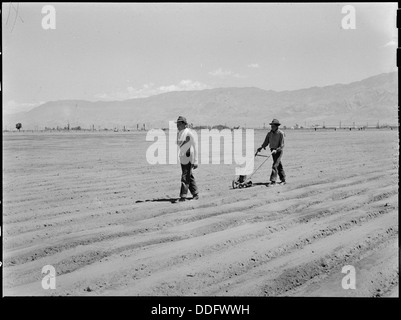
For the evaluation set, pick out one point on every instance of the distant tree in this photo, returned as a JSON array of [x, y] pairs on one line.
[[220, 127], [18, 126], [200, 127]]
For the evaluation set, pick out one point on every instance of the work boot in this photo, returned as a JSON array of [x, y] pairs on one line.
[[195, 197], [182, 199]]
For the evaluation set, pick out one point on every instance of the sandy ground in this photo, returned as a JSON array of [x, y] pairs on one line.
[[91, 206]]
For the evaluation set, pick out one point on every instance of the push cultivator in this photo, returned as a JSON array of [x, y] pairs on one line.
[[244, 181]]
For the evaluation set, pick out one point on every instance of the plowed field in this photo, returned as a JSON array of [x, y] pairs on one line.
[[91, 206]]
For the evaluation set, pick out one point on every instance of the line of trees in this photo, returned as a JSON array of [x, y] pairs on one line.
[[315, 127]]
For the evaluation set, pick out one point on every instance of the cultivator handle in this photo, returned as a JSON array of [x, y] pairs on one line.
[[261, 155]]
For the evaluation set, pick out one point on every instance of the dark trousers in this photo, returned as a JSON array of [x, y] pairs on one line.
[[277, 168], [187, 181]]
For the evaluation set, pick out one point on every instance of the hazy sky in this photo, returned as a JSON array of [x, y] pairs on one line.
[[115, 51]]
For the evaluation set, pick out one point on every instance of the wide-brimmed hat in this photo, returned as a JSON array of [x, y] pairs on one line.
[[181, 119], [276, 122]]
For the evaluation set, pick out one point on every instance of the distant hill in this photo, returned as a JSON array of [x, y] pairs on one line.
[[370, 100]]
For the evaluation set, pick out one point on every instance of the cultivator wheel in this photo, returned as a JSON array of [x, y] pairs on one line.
[[236, 184]]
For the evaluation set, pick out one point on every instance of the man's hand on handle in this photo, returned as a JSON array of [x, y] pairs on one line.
[[194, 166]]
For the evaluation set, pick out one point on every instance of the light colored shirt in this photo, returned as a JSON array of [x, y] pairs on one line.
[[187, 141], [275, 139]]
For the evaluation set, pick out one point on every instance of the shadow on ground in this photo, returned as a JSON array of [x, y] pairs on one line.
[[171, 200]]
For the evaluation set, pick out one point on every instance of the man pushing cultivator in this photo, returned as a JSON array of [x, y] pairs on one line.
[[274, 139]]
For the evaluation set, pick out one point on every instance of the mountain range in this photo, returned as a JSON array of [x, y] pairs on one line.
[[367, 101]]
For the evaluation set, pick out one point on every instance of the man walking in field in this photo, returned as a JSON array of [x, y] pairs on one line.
[[275, 138], [188, 155]]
